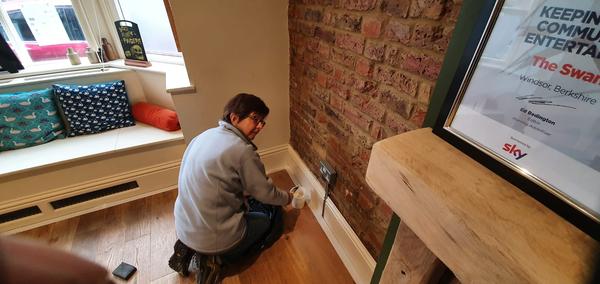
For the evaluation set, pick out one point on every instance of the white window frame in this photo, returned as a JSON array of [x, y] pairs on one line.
[[96, 18], [158, 56], [19, 45], [13, 37], [109, 13]]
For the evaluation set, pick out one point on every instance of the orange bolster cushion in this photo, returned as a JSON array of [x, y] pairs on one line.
[[156, 116]]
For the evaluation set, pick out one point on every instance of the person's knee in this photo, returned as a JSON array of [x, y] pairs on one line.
[[258, 221]]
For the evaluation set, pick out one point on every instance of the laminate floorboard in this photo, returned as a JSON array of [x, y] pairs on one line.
[[142, 233]]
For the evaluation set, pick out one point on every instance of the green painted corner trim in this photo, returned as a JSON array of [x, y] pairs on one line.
[[468, 17], [386, 249]]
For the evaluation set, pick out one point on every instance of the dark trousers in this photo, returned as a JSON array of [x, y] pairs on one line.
[[264, 225]]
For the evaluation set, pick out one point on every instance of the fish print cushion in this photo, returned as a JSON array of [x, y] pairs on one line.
[[29, 119], [96, 108]]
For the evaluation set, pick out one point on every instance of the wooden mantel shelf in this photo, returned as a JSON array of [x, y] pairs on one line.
[[482, 227]]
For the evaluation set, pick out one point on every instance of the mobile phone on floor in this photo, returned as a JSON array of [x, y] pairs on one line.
[[124, 271]]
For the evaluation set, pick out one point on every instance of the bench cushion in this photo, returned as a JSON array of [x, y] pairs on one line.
[[90, 109], [28, 119], [156, 116]]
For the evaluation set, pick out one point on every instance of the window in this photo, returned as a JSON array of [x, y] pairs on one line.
[[69, 21], [41, 30], [153, 22], [3, 33], [16, 17]]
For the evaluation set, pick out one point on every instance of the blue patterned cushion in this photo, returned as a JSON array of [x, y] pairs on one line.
[[96, 108], [28, 119]]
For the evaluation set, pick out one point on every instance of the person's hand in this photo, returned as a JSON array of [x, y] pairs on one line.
[[24, 261], [300, 197], [294, 189], [290, 197]]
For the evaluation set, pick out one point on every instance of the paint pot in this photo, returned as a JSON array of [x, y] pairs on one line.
[[299, 197]]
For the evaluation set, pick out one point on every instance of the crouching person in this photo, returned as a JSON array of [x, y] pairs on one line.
[[226, 207]]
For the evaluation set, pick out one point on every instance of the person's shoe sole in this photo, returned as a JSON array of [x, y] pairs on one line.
[[209, 270], [181, 258]]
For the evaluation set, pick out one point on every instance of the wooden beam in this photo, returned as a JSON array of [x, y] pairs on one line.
[[411, 261], [481, 226]]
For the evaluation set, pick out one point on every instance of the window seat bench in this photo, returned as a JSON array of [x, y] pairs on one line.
[[73, 176], [73, 149]]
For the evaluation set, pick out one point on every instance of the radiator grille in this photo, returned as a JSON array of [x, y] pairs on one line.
[[61, 203], [18, 214]]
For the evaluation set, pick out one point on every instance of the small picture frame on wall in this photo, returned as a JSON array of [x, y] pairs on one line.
[[131, 41], [525, 102]]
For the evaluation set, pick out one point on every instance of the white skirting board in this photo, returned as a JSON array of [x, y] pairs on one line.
[[348, 246]]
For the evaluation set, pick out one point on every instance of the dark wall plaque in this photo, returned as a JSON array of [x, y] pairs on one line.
[[131, 41]]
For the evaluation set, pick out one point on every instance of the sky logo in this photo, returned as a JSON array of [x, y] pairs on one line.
[[512, 149]]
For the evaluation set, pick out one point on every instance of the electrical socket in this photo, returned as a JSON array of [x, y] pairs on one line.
[[327, 173]]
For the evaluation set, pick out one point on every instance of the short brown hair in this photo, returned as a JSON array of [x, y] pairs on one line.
[[243, 105]]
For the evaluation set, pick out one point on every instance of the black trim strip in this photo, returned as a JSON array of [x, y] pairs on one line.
[[18, 214], [61, 203]]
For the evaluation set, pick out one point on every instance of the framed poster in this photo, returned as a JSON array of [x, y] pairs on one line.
[[525, 102]]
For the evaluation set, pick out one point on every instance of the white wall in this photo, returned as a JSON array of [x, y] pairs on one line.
[[154, 88], [230, 47]]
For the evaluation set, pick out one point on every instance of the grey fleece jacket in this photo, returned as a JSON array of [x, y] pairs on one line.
[[217, 167]]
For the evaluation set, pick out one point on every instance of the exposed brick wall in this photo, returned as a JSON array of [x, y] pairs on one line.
[[361, 71]]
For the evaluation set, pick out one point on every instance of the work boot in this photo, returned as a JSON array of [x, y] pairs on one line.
[[181, 258], [209, 269]]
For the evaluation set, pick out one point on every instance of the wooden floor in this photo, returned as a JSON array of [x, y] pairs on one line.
[[142, 233]]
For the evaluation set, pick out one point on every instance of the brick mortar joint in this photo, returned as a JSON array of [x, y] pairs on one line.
[[436, 54], [412, 99], [364, 114], [410, 75], [354, 127], [404, 121], [444, 21], [385, 21], [361, 13]]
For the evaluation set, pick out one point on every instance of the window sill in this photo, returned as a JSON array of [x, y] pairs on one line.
[[175, 73], [50, 67]]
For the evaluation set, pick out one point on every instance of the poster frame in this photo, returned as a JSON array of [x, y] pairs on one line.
[[526, 181]]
